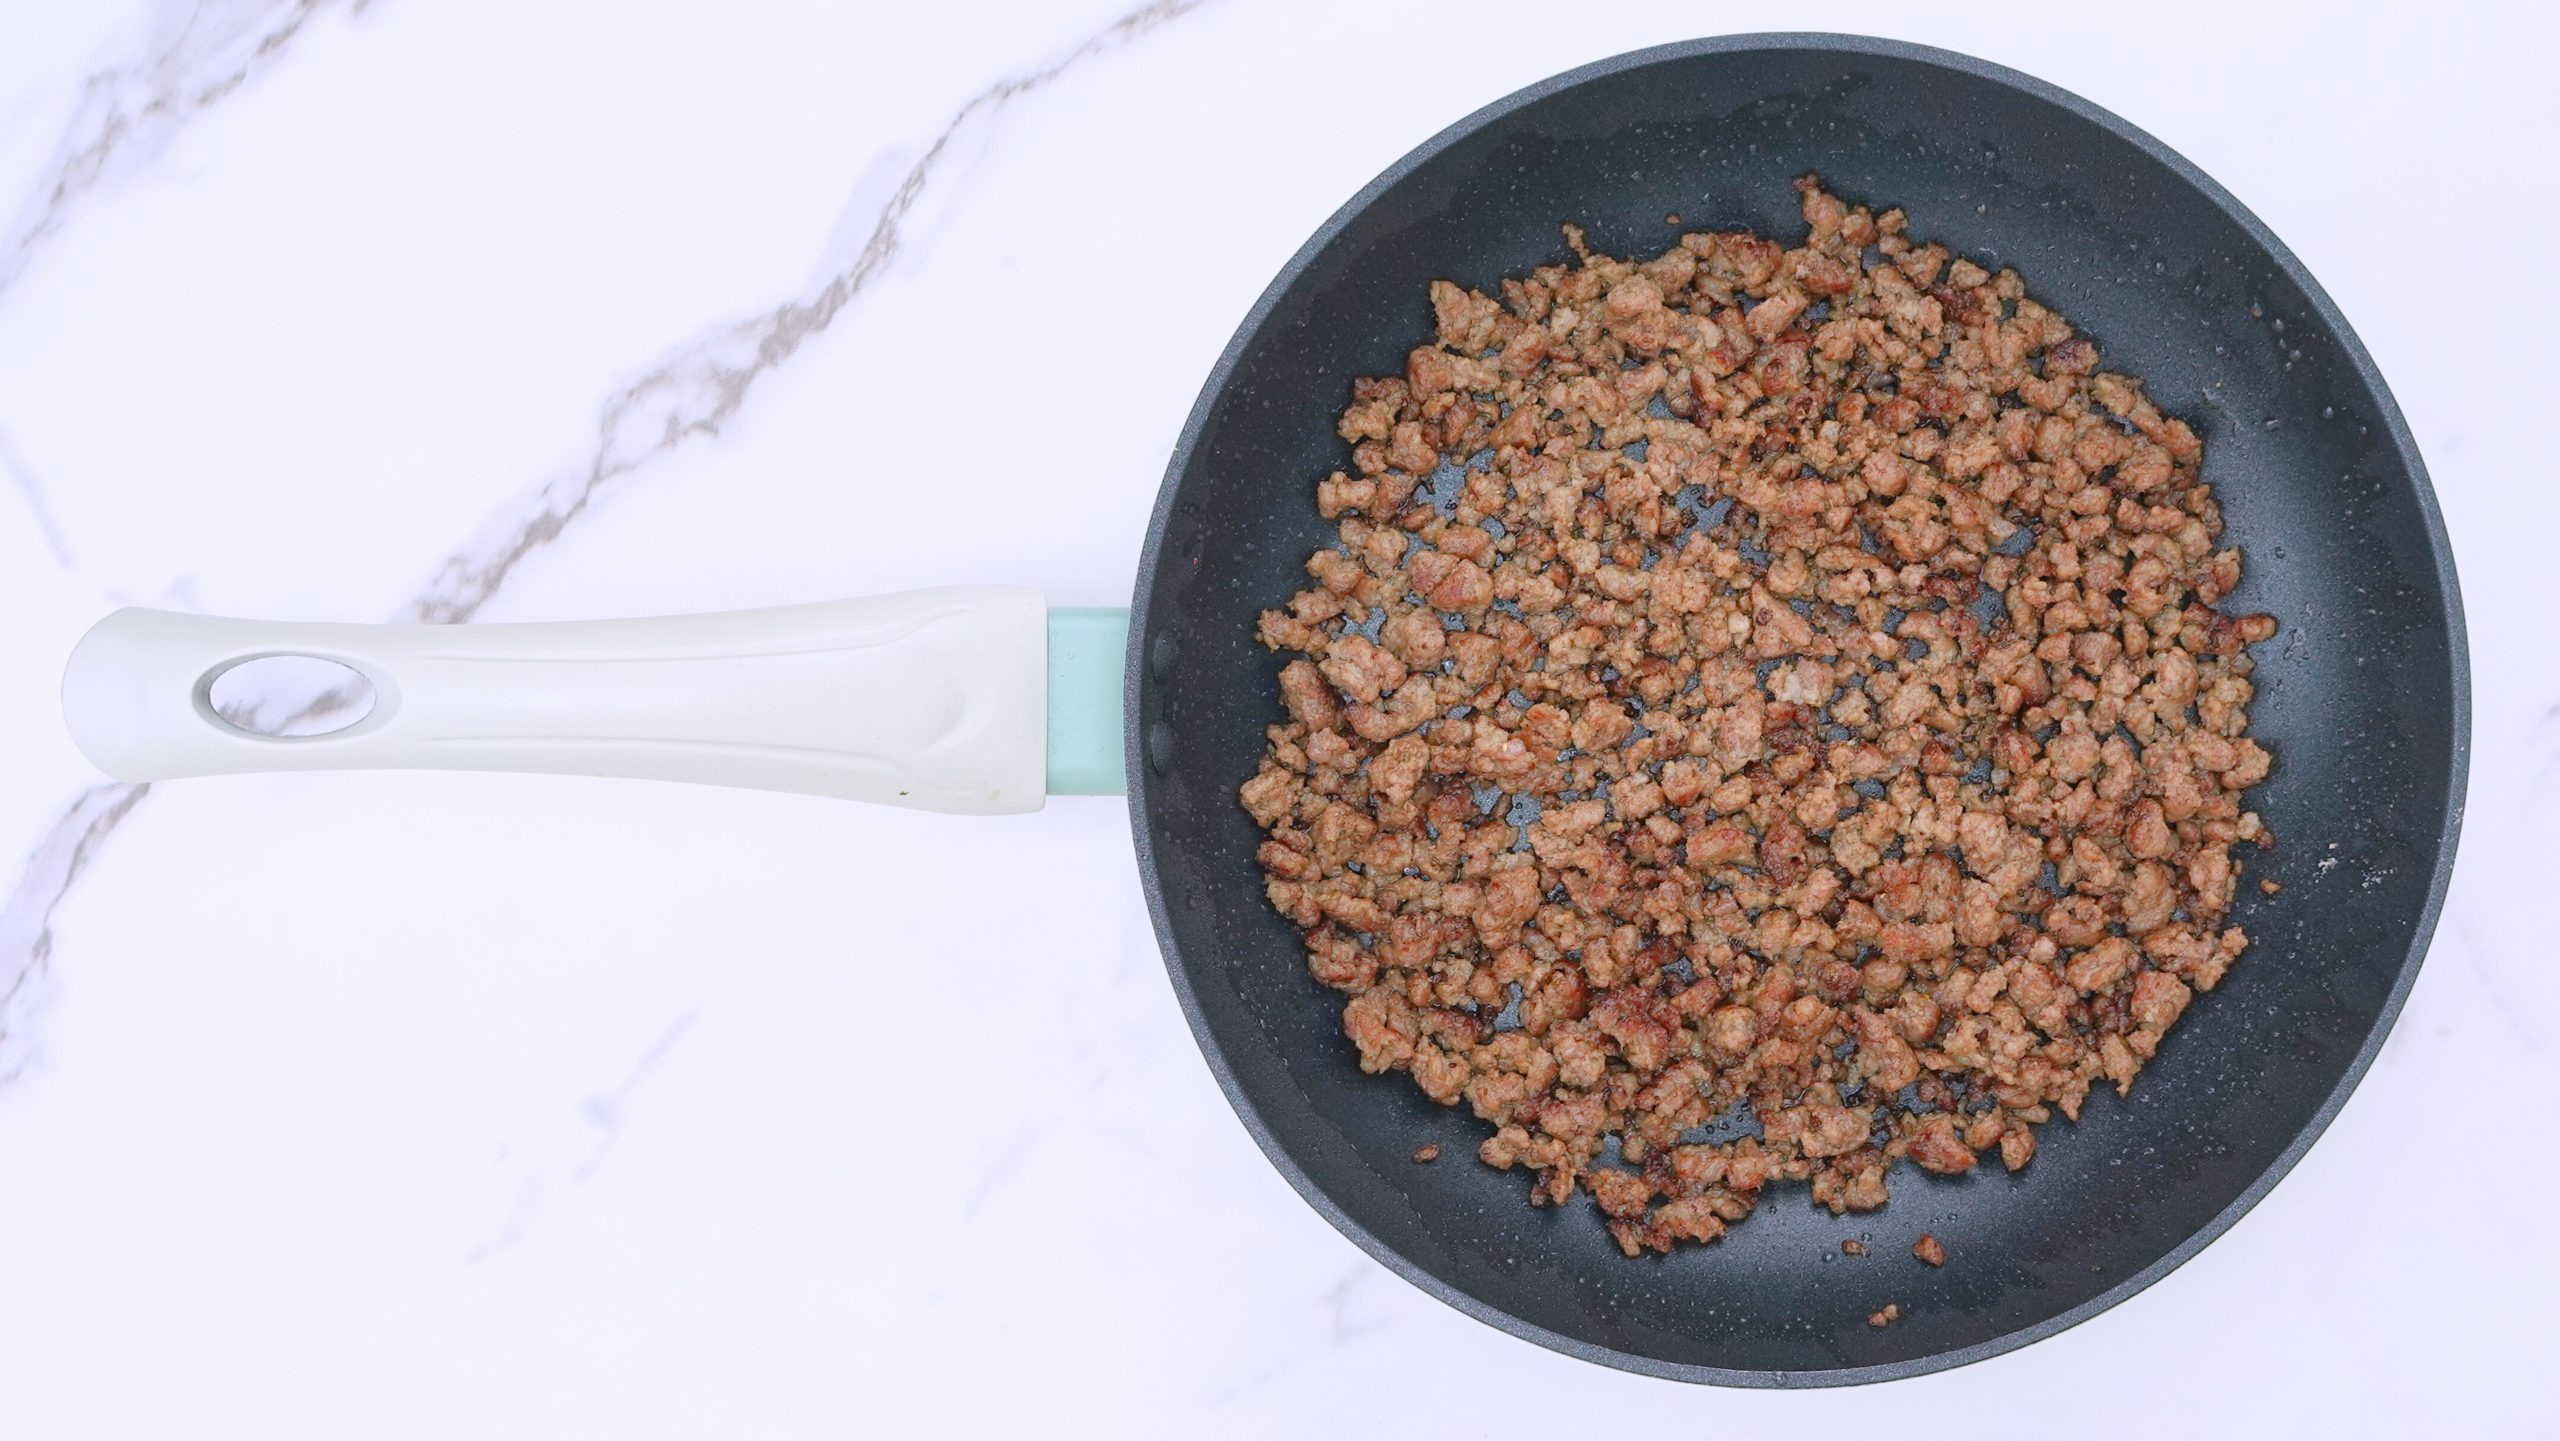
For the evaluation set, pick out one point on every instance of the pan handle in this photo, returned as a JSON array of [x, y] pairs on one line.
[[976, 700]]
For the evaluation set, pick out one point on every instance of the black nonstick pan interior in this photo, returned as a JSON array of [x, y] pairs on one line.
[[2363, 697]]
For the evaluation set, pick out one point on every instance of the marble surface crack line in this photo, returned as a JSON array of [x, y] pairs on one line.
[[2485, 970], [703, 385], [605, 1109], [1340, 1301], [31, 491], [598, 1125], [26, 918], [128, 114]]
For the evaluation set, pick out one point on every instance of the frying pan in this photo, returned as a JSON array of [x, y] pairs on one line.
[[976, 699]]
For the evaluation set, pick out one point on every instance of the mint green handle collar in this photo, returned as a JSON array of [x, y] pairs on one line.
[[1087, 657]]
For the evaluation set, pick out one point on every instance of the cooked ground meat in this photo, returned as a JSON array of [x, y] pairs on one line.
[[1928, 1248], [1886, 1317], [1780, 689], [1424, 1155], [1853, 1248]]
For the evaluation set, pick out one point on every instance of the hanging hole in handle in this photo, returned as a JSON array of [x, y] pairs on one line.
[[289, 697]]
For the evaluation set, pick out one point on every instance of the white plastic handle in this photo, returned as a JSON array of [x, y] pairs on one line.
[[935, 699]]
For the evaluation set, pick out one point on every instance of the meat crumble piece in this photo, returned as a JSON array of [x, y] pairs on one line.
[[1426, 1154], [1767, 715], [1853, 1247], [1929, 1249], [1885, 1317]]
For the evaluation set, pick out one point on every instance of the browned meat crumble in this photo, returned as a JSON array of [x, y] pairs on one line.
[[1767, 717], [1886, 1317], [1930, 1249]]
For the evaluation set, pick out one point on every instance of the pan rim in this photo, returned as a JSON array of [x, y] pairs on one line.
[[2396, 433]]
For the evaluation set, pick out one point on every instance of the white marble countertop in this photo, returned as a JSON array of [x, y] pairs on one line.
[[434, 1105]]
